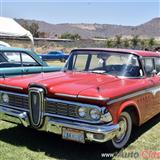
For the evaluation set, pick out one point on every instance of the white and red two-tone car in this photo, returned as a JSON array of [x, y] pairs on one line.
[[98, 96]]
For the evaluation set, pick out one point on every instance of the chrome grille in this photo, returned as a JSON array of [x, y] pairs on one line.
[[18, 101], [61, 109], [36, 106]]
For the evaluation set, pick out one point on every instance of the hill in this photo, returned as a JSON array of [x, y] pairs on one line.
[[147, 30]]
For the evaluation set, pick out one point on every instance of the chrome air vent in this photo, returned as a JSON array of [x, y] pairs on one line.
[[36, 106]]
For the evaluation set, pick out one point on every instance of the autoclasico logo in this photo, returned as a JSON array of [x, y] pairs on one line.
[[146, 154]]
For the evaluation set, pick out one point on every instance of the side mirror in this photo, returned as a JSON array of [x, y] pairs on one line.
[[154, 73]]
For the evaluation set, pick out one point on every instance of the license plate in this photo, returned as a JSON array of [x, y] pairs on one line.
[[72, 134]]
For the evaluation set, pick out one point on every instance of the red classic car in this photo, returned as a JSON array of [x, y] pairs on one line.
[[98, 96]]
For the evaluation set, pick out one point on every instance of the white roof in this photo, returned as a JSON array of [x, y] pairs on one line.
[[9, 27], [4, 44]]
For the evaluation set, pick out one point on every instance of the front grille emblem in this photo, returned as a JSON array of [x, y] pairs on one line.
[[36, 106], [34, 99]]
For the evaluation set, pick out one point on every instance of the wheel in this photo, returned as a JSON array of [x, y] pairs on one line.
[[124, 133]]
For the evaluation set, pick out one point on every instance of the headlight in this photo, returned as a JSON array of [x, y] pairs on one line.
[[5, 98], [82, 112], [95, 114]]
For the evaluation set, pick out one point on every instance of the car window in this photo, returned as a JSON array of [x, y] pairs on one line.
[[28, 60], [79, 62], [112, 63], [149, 66], [14, 57], [157, 62], [20, 59], [53, 53], [95, 62], [3, 58]]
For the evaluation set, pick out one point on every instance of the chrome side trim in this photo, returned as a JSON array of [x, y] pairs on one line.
[[93, 98], [12, 87], [126, 97], [66, 95], [84, 97], [153, 91]]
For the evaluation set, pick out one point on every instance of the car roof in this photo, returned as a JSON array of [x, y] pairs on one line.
[[135, 52], [14, 49]]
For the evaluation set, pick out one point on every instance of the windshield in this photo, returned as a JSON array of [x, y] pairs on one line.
[[105, 62]]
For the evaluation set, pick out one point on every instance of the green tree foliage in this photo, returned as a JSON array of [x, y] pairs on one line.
[[68, 35], [118, 41], [135, 42], [33, 28], [126, 43], [151, 42], [110, 43]]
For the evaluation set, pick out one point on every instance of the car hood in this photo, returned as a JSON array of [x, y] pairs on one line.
[[76, 84], [60, 82]]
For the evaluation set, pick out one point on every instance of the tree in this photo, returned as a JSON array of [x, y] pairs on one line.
[[34, 27], [118, 41], [126, 43], [135, 41], [68, 35], [109, 43], [143, 44], [151, 43]]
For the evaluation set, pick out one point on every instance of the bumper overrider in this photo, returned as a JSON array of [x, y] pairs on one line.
[[53, 115]]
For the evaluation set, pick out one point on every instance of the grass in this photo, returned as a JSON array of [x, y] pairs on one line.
[[17, 142]]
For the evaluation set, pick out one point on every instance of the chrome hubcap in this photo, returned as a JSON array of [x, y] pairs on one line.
[[122, 130]]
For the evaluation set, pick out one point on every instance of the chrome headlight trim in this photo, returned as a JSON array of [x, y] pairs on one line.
[[5, 98], [106, 116], [82, 112], [95, 114]]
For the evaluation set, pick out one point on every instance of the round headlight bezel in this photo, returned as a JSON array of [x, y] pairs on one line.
[[5, 98], [95, 114], [82, 112]]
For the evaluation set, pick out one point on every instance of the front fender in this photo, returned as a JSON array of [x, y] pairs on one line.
[[127, 105]]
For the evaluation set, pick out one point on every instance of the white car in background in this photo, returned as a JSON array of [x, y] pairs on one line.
[[4, 44]]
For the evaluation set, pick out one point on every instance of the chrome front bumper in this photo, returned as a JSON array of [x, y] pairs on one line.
[[93, 132]]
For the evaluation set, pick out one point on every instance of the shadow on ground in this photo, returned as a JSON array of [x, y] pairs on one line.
[[55, 147]]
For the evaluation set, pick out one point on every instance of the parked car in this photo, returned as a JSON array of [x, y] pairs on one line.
[[54, 55], [18, 61], [99, 96]]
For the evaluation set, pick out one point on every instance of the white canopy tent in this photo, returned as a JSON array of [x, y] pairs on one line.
[[9, 27]]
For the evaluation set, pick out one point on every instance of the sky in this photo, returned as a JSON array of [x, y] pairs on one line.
[[121, 12]]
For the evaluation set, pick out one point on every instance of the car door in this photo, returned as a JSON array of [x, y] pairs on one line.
[[157, 83], [154, 90], [12, 65], [30, 65]]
